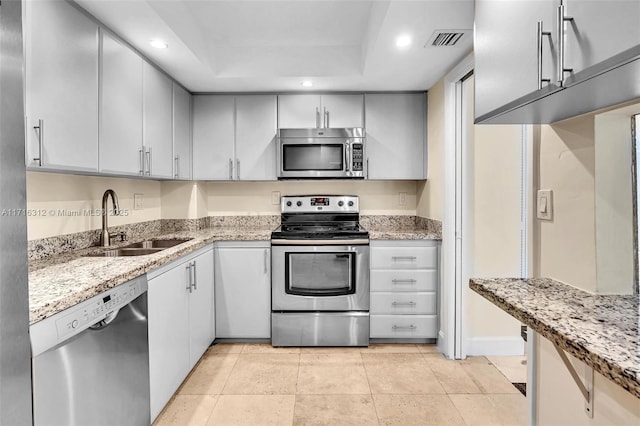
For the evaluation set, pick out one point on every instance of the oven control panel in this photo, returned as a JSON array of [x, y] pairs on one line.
[[320, 203]]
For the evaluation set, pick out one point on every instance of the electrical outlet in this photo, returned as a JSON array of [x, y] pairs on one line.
[[402, 198], [138, 201], [275, 198]]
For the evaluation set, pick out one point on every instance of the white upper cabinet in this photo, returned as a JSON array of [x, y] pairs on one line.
[[181, 133], [506, 54], [234, 137], [213, 137], [120, 138], [157, 112], [256, 137], [320, 111], [62, 87], [396, 139], [599, 30]]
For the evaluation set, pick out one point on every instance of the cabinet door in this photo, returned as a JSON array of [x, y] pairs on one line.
[[120, 108], [599, 30], [256, 137], [201, 307], [157, 105], [243, 292], [62, 86], [168, 335], [396, 136], [213, 137], [342, 111], [299, 111], [181, 133], [506, 52]]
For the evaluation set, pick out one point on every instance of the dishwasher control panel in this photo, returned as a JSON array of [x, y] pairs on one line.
[[71, 321]]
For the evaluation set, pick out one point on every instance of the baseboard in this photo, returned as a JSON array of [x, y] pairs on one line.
[[506, 345]]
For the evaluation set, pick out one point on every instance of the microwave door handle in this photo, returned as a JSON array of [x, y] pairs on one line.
[[347, 157]]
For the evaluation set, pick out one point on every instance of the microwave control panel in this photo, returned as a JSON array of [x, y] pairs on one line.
[[357, 157]]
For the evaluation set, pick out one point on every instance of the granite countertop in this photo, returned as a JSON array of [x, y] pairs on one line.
[[59, 282], [600, 330], [402, 234]]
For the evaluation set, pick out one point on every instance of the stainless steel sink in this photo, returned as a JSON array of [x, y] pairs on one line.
[[140, 249], [126, 252], [156, 244]]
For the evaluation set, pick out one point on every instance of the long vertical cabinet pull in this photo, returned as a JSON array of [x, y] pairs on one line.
[[325, 118], [141, 154], [148, 172], [189, 286], [266, 259], [561, 20], [40, 128], [317, 117], [230, 169], [194, 282], [539, 36], [237, 169], [176, 165]]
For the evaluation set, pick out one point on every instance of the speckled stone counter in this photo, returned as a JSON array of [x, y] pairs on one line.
[[59, 282], [383, 227], [600, 330]]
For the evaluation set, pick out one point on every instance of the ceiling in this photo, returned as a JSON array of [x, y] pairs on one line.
[[270, 45]]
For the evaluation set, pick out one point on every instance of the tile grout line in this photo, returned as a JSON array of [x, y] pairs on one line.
[[366, 374]]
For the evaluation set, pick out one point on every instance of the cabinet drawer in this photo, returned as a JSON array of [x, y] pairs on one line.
[[403, 303], [404, 257], [410, 280], [404, 326]]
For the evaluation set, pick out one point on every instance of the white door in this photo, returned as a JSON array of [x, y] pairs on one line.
[[201, 307], [396, 136], [213, 137], [168, 299], [256, 129], [61, 86], [341, 111], [120, 138], [243, 292], [181, 133], [299, 111], [157, 122]]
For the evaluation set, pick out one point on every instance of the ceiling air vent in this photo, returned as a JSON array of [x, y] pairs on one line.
[[445, 38]]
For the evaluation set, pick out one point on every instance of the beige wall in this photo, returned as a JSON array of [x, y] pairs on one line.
[[254, 198], [54, 198], [431, 192]]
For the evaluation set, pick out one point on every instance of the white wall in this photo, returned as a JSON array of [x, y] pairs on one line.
[[58, 195]]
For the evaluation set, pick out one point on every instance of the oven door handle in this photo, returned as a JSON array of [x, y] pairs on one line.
[[357, 242]]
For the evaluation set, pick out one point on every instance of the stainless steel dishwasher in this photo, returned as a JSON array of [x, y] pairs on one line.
[[91, 361]]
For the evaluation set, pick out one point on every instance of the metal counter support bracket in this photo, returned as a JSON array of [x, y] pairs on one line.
[[585, 388]]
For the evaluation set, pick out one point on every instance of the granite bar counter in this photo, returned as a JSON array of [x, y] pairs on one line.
[[599, 330]]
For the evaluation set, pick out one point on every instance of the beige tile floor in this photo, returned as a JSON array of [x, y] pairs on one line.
[[256, 384]]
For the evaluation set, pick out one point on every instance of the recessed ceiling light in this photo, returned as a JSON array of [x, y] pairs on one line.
[[158, 44], [403, 41], [307, 83]]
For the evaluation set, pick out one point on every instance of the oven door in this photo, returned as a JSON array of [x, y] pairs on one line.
[[313, 158], [320, 277]]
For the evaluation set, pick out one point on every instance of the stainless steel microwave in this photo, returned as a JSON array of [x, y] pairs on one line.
[[321, 153]]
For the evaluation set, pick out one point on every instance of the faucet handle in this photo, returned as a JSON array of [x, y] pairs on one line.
[[122, 235]]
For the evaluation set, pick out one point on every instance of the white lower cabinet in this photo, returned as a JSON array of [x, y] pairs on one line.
[[243, 289], [404, 289], [181, 322]]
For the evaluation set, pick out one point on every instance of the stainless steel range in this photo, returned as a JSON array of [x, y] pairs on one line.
[[320, 273]]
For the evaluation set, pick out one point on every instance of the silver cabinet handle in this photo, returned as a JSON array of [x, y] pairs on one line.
[[230, 169], [409, 281], [407, 258], [141, 155], [40, 128], [561, 20], [539, 36], [148, 172], [325, 113], [176, 166], [317, 117], [237, 169], [194, 282], [188, 268], [403, 304], [404, 327], [266, 259]]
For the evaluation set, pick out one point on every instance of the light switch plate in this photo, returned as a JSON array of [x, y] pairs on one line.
[[138, 201], [544, 206], [402, 198], [275, 198]]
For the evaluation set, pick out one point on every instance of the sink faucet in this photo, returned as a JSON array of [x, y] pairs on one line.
[[104, 236]]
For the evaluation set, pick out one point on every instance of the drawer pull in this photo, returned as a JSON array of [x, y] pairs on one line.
[[410, 281], [405, 258], [404, 327], [404, 303]]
